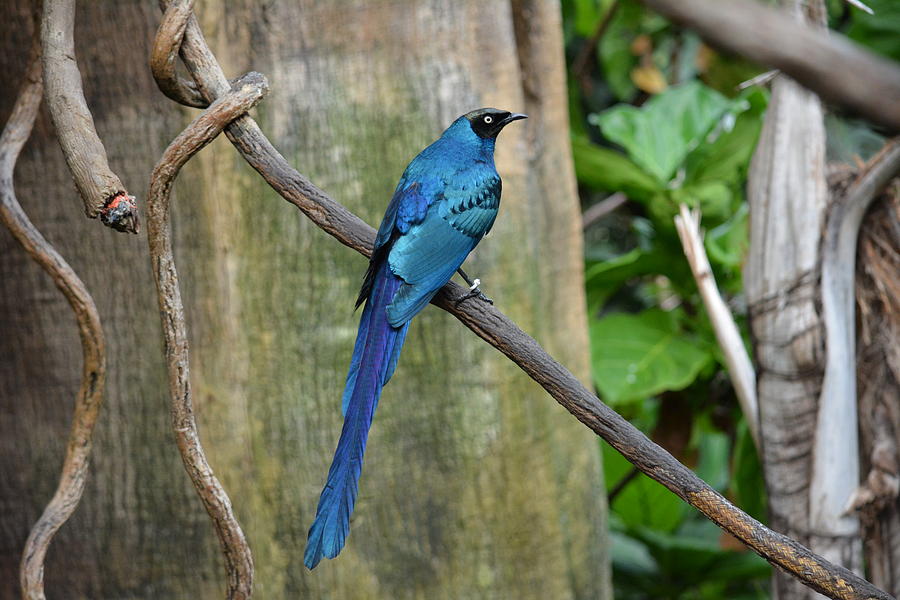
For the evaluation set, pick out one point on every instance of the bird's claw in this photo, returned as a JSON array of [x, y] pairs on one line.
[[475, 292]]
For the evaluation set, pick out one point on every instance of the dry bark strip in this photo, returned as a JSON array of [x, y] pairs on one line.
[[101, 190], [248, 90], [740, 367], [499, 331], [865, 82], [836, 450], [90, 393]]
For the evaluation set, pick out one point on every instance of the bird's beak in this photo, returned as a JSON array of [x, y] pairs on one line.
[[511, 118]]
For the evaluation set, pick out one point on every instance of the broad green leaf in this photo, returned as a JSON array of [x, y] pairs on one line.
[[659, 135], [643, 502], [635, 356], [726, 158], [604, 169]]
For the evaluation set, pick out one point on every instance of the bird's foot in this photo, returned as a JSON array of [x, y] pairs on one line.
[[475, 292]]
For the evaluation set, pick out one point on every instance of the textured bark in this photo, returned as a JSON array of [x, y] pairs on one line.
[[788, 197], [474, 485], [878, 298]]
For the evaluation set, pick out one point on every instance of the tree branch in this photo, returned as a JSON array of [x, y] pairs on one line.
[[740, 368], [835, 465], [249, 90], [496, 328], [90, 393], [101, 190], [865, 83], [164, 55]]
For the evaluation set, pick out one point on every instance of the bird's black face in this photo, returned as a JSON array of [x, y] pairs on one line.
[[487, 122]]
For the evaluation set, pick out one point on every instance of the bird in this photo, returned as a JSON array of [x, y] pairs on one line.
[[445, 202]]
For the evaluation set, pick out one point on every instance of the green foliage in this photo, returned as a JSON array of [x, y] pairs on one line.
[[654, 354], [658, 136], [640, 355], [879, 32]]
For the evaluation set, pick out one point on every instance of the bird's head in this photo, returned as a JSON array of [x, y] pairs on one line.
[[488, 122]]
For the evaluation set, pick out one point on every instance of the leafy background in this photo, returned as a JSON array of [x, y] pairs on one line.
[[657, 118]]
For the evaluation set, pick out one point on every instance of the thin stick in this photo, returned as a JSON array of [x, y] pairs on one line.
[[93, 374], [861, 6], [101, 190], [499, 331], [761, 79], [740, 367], [868, 83], [249, 90], [602, 208]]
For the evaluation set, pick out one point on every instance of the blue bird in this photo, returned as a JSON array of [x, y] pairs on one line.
[[446, 201]]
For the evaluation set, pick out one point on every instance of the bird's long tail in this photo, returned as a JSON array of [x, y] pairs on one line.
[[374, 359]]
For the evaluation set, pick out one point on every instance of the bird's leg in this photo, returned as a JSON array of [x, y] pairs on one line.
[[474, 291]]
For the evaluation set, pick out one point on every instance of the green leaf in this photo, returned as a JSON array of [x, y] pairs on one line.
[[630, 556], [659, 135], [727, 157], [643, 502], [881, 31], [727, 243], [713, 197], [604, 169], [635, 356]]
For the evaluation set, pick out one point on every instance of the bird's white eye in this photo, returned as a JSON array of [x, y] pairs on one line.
[[489, 119]]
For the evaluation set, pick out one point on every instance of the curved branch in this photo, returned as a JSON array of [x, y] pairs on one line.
[[101, 190], [835, 464], [826, 63], [164, 56], [249, 90], [90, 394], [499, 331]]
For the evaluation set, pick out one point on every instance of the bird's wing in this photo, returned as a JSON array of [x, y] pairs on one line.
[[429, 252], [407, 207]]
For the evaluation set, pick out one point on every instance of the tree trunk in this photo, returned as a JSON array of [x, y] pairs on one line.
[[475, 484], [788, 197]]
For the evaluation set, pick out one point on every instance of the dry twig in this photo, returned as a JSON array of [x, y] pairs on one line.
[[602, 208], [868, 83], [740, 368], [101, 190], [499, 331], [90, 394], [761, 79], [249, 90]]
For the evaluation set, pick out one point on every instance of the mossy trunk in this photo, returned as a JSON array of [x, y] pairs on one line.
[[476, 484]]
